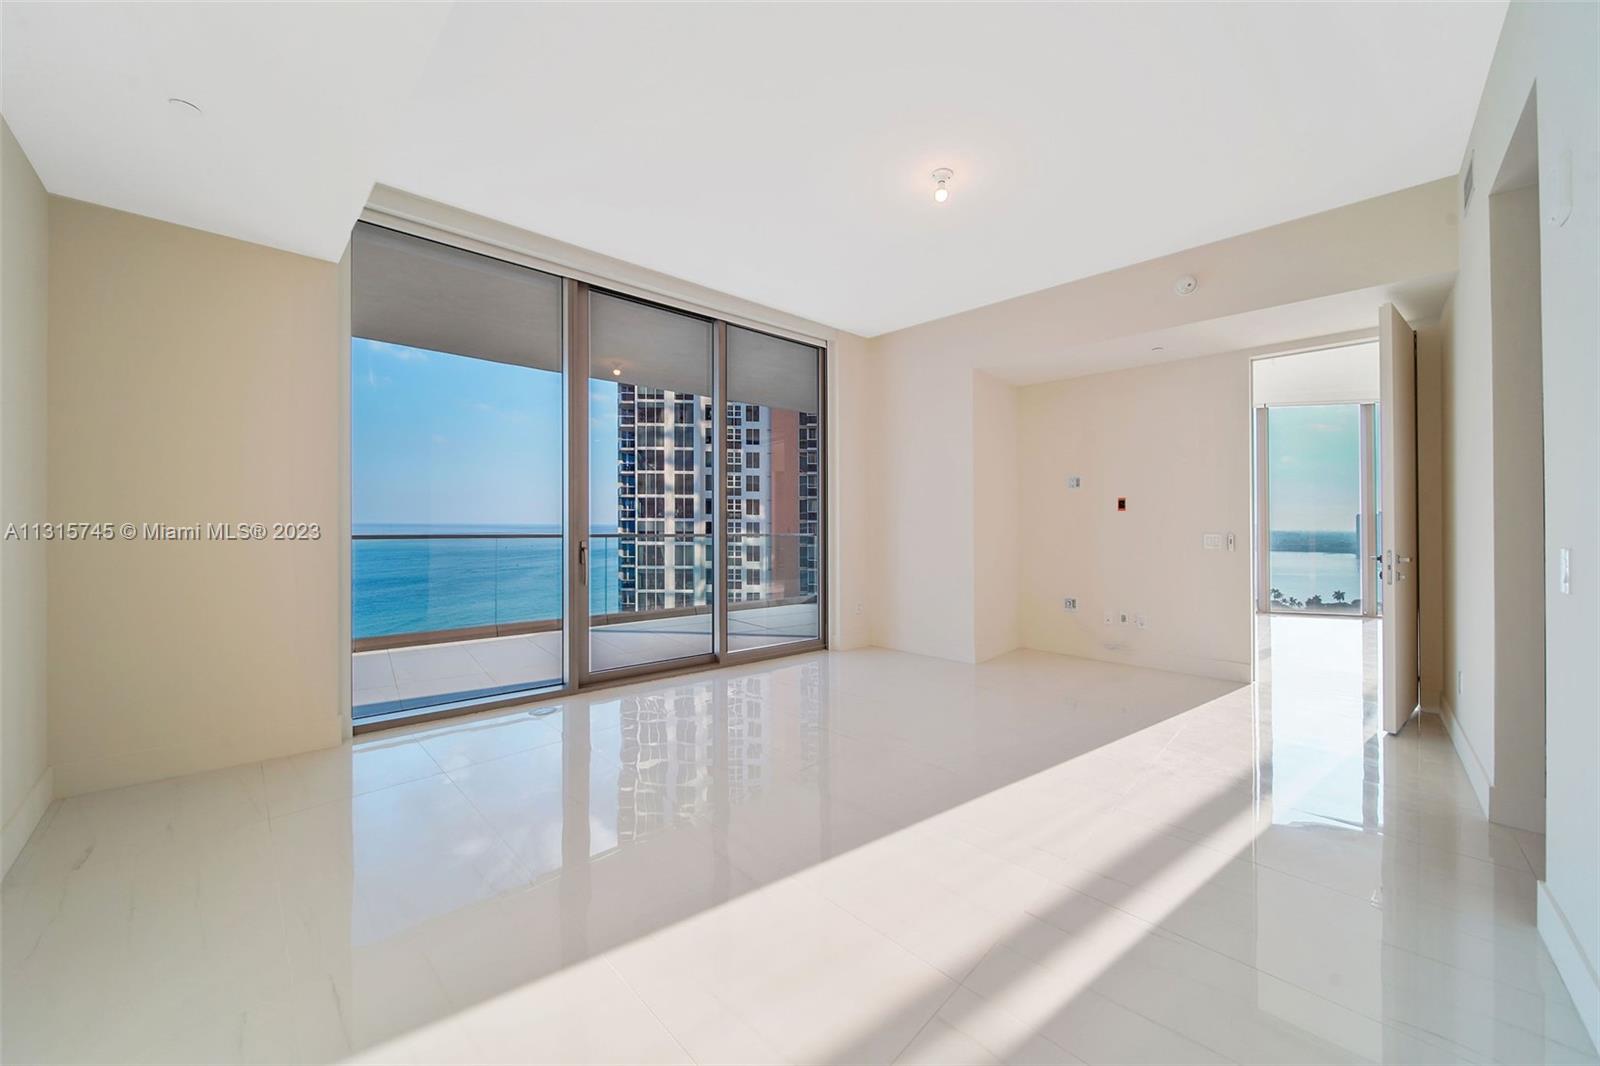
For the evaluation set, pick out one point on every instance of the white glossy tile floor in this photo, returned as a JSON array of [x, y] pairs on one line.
[[862, 857]]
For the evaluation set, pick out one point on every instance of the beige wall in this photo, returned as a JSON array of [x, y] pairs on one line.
[[1549, 47], [996, 517], [25, 779], [852, 489], [925, 558], [193, 378], [1517, 794], [942, 437], [1175, 440]]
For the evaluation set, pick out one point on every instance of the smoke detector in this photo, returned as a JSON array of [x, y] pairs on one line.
[[1185, 285]]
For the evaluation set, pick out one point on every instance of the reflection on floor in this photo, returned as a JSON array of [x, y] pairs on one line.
[[861, 857], [407, 678]]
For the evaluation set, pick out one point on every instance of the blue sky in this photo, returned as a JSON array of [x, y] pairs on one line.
[[449, 440], [1315, 465]]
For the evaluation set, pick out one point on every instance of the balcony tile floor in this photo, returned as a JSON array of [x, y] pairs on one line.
[[383, 679], [857, 857]]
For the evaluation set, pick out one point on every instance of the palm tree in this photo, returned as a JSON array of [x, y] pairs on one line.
[[1338, 597]]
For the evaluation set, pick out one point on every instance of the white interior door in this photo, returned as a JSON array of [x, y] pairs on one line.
[[1397, 409]]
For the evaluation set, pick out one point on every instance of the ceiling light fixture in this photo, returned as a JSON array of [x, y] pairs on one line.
[[616, 371], [941, 184], [188, 107]]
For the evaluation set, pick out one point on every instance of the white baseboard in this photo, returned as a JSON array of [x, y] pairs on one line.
[[22, 824], [1575, 968], [1477, 773]]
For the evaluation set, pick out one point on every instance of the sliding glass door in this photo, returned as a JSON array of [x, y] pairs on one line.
[[651, 492], [457, 396], [554, 485], [774, 490]]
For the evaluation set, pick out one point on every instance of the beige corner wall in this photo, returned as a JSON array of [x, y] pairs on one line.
[[852, 492], [997, 519], [1173, 439], [925, 554], [1516, 796], [1547, 49], [193, 378], [25, 779]]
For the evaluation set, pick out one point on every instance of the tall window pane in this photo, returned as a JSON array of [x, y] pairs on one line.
[[456, 409], [1314, 461], [774, 490], [650, 496]]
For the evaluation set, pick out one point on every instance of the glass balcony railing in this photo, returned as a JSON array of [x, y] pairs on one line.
[[436, 587]]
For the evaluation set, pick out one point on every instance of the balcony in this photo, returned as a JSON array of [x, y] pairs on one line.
[[447, 617]]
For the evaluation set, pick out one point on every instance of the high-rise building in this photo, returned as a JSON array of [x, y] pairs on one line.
[[666, 501]]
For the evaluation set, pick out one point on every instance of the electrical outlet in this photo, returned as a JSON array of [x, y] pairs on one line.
[[1122, 618], [1070, 603]]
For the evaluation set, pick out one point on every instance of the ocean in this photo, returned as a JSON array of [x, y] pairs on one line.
[[413, 586], [1301, 574]]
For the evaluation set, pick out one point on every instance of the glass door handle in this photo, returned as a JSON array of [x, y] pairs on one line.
[[583, 563]]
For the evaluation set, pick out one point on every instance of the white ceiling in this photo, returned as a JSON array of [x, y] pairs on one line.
[[297, 99], [779, 153], [1341, 316]]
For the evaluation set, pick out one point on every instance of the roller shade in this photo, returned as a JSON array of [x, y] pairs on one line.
[[653, 347], [1331, 375], [416, 292], [771, 371]]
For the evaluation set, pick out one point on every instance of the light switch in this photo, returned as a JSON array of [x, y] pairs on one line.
[[1212, 541]]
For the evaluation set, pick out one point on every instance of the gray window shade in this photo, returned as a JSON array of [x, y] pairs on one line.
[[415, 292], [653, 347], [771, 371]]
